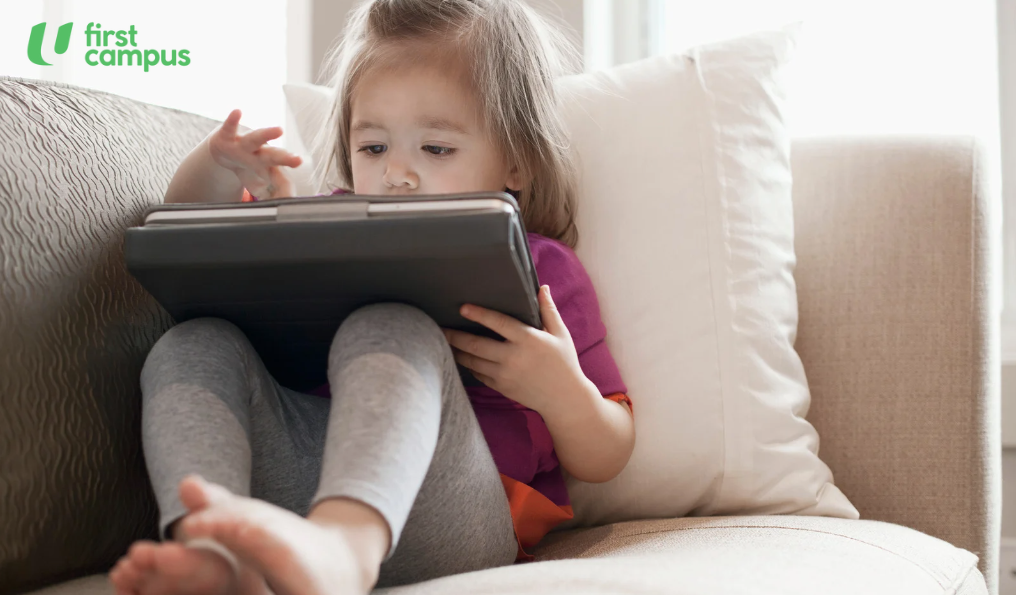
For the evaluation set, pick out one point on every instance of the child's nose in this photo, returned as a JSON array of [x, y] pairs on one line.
[[400, 174]]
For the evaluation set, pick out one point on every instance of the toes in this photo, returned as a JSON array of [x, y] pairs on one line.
[[193, 570], [120, 587], [169, 559], [118, 577], [292, 554], [192, 493], [244, 538], [172, 568], [176, 559], [247, 541], [142, 554], [125, 577], [210, 522], [198, 494], [260, 556]]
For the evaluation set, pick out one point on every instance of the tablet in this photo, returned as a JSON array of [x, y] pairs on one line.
[[288, 271]]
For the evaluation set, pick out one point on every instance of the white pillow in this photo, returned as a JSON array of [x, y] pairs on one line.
[[308, 106], [686, 229]]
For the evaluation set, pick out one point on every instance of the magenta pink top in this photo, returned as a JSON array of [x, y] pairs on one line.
[[517, 436]]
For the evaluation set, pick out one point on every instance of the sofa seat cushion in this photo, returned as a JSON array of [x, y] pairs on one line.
[[721, 555], [764, 554], [714, 556]]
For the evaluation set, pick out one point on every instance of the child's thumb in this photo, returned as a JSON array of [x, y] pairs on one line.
[[552, 321]]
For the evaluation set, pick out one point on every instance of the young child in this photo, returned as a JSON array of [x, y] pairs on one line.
[[394, 472]]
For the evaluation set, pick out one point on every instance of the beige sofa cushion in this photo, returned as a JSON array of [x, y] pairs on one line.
[[897, 282], [781, 555]]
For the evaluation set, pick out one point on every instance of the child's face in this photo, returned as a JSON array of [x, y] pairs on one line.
[[417, 131]]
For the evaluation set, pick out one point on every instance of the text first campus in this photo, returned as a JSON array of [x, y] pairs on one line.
[[111, 57]]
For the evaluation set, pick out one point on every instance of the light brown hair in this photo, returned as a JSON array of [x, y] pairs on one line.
[[514, 56]]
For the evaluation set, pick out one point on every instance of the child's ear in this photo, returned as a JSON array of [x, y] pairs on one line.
[[515, 179]]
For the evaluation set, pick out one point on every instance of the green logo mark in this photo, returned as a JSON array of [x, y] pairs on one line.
[[96, 37], [63, 38]]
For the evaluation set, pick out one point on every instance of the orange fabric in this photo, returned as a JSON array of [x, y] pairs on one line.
[[533, 514], [621, 398]]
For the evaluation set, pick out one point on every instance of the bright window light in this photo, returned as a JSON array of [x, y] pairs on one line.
[[866, 66], [237, 50]]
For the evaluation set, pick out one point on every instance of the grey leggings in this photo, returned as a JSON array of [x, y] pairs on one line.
[[398, 433]]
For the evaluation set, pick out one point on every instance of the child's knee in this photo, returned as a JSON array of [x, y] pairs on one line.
[[197, 332], [389, 327], [193, 338], [391, 319]]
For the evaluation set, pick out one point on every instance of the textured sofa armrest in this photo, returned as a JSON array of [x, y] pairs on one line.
[[898, 330]]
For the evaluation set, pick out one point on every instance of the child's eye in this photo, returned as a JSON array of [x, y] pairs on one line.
[[373, 149], [439, 151]]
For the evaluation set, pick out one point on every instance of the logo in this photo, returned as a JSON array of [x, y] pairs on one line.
[[106, 56], [63, 39]]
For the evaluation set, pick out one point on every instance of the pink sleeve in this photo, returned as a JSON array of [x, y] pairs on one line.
[[572, 291]]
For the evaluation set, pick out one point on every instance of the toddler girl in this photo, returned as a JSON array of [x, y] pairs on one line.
[[394, 472]]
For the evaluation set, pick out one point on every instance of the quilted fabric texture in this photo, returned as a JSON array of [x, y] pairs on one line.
[[77, 167]]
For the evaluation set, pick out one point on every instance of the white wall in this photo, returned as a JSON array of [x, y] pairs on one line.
[[328, 17]]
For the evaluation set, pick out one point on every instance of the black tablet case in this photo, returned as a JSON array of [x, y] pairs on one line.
[[289, 284]]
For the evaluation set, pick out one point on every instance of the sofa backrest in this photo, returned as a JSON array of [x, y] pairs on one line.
[[898, 329], [77, 167]]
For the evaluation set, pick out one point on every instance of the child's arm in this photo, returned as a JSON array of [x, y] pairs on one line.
[[593, 436], [230, 159], [200, 179]]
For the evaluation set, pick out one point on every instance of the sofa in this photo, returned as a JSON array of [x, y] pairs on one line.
[[897, 333]]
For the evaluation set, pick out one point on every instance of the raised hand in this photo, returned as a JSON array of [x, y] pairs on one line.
[[257, 164]]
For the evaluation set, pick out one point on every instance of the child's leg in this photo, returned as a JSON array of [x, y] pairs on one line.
[[402, 441], [210, 407], [403, 438]]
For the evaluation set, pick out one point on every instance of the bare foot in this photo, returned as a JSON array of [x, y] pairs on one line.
[[151, 568], [295, 556], [171, 568]]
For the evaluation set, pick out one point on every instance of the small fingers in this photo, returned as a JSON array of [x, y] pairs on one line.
[[485, 379], [475, 364], [232, 121], [254, 139], [475, 344], [267, 183], [280, 183], [500, 323], [278, 156]]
